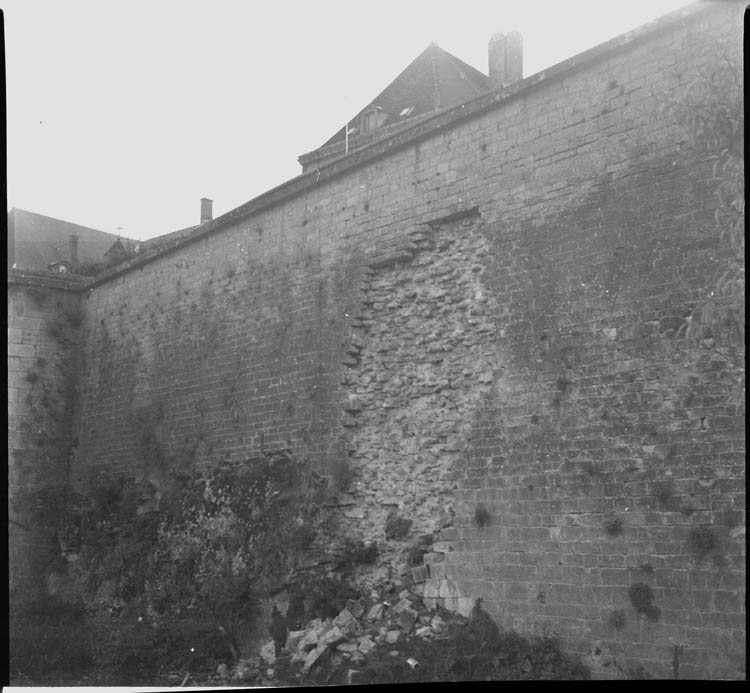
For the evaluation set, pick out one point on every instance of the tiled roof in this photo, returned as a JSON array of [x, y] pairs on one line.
[[35, 241], [435, 79]]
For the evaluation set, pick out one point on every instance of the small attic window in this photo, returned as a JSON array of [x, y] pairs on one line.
[[60, 267], [406, 111], [372, 119]]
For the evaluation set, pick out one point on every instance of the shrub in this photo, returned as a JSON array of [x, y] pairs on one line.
[[48, 640]]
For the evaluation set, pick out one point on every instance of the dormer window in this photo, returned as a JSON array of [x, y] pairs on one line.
[[60, 267], [372, 119]]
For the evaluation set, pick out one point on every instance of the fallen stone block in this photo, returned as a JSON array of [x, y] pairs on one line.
[[376, 612], [268, 652], [437, 624], [365, 645], [332, 637], [423, 632], [293, 638], [392, 636], [344, 619], [419, 574], [347, 647], [315, 656], [407, 618], [309, 642], [403, 604], [355, 608]]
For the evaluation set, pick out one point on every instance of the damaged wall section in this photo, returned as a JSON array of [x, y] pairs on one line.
[[425, 355]]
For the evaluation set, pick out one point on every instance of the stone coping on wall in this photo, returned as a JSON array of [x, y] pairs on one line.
[[47, 280], [424, 129]]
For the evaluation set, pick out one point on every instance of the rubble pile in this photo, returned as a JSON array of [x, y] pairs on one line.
[[385, 618]]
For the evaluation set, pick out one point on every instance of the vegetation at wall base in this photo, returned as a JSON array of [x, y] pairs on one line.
[[471, 649]]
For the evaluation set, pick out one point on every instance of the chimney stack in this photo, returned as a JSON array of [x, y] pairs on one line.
[[74, 250], [206, 210], [505, 58]]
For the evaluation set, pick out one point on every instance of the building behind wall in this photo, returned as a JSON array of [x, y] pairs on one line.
[[477, 313]]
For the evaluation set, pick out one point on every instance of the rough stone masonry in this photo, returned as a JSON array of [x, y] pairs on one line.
[[476, 315]]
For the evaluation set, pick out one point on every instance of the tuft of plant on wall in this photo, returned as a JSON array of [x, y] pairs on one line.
[[642, 597], [617, 619], [704, 541], [482, 516], [614, 526]]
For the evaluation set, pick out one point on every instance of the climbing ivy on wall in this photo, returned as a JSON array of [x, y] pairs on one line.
[[711, 111]]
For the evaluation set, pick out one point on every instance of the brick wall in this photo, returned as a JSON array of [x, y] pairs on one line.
[[44, 318], [481, 315]]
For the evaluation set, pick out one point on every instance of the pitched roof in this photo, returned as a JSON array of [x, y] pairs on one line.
[[35, 241], [435, 79]]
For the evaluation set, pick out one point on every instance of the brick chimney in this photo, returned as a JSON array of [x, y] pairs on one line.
[[505, 58], [206, 210], [74, 250]]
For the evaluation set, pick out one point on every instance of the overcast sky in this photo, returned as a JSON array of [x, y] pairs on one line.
[[124, 114]]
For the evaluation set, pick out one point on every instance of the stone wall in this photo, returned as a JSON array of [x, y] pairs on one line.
[[44, 319], [474, 321]]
